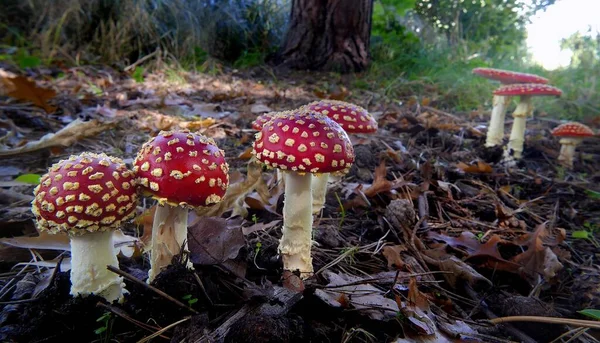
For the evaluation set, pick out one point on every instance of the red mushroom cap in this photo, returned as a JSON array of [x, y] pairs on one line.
[[304, 141], [181, 168], [508, 77], [572, 129], [352, 118], [85, 193], [528, 89], [261, 120]]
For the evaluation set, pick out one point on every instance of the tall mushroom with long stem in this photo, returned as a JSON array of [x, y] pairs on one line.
[[571, 135], [88, 196], [301, 143], [525, 91], [353, 119], [495, 132], [181, 170]]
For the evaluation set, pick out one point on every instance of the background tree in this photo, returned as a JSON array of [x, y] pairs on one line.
[[329, 35]]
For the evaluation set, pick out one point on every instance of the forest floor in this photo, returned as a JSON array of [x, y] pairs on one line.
[[428, 238]]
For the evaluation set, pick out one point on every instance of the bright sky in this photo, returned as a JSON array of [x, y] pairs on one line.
[[559, 21]]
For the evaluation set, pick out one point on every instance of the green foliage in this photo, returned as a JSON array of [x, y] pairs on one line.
[[595, 314], [138, 74], [104, 331], [189, 299], [120, 32], [33, 179]]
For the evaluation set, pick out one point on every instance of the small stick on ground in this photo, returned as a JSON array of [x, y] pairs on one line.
[[152, 288]]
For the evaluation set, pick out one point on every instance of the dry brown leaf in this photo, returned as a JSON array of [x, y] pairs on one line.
[[364, 297], [456, 268], [393, 257], [416, 309], [65, 137], [25, 89], [236, 194], [539, 259], [480, 167], [212, 241], [246, 154]]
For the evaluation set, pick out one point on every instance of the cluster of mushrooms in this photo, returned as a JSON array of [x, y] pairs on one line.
[[89, 196], [526, 86]]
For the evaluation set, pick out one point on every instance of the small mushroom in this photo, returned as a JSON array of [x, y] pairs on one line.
[[353, 119], [525, 91], [495, 132], [301, 143], [88, 196], [181, 170], [571, 135]]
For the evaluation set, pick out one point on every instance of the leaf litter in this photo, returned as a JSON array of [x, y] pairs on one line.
[[410, 242]]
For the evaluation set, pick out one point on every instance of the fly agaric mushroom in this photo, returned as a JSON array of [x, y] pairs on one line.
[[88, 196], [301, 143], [495, 132], [353, 119], [181, 170], [257, 125], [525, 91], [571, 134], [261, 120]]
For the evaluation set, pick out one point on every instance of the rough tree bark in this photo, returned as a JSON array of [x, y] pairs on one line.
[[329, 35]]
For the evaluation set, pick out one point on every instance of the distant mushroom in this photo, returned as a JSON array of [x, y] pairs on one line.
[[495, 132], [571, 135], [88, 196], [261, 120], [525, 91], [353, 119], [301, 143], [181, 170], [257, 125]]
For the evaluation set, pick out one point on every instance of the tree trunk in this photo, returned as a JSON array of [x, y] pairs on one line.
[[329, 35]]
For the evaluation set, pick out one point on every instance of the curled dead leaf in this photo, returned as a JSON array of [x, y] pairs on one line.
[[479, 168], [25, 89], [65, 137]]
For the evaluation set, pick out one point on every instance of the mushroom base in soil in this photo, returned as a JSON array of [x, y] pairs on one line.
[[169, 237], [296, 239], [495, 133], [91, 253]]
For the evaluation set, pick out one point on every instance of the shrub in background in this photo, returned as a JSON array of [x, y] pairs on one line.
[[121, 31]]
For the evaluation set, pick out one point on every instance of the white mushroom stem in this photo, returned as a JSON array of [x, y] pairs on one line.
[[495, 132], [517, 133], [169, 237], [296, 239], [91, 253], [319, 191], [567, 151]]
